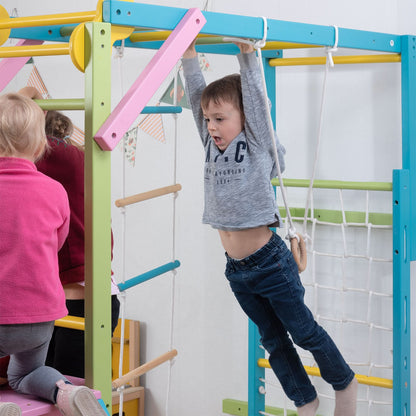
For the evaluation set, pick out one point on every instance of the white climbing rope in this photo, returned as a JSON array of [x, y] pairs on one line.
[[329, 63]]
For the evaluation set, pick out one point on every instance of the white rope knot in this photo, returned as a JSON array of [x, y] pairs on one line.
[[258, 44], [333, 49], [120, 50], [291, 233], [240, 40]]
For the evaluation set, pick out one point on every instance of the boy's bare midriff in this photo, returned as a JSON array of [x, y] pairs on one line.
[[243, 243]]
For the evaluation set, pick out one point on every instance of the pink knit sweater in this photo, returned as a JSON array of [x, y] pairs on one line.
[[34, 223]]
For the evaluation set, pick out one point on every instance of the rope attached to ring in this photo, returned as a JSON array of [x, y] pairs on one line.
[[297, 243]]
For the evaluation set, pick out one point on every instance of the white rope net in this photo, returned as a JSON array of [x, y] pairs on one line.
[[348, 282]]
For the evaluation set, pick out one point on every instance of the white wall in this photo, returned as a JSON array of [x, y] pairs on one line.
[[361, 141]]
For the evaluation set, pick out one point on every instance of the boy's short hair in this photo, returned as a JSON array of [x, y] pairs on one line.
[[58, 125], [22, 127], [226, 89]]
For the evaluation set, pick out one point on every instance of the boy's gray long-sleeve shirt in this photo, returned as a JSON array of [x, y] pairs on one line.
[[238, 191]]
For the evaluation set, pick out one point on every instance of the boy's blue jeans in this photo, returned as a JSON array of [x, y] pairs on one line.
[[268, 287]]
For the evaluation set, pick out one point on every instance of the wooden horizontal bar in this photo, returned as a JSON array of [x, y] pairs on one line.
[[34, 50], [314, 371], [72, 322], [204, 39], [162, 109], [156, 35], [134, 281], [129, 393], [137, 372], [288, 45], [332, 184], [47, 19], [321, 60], [79, 104], [62, 104], [147, 195]]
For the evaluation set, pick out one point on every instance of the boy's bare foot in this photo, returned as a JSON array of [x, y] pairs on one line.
[[309, 409], [346, 400]]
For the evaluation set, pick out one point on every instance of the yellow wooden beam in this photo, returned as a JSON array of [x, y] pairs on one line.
[[314, 371], [321, 60]]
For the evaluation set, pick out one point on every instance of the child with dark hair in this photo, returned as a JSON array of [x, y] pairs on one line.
[[232, 120], [58, 125]]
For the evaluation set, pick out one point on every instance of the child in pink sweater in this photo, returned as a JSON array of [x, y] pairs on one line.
[[34, 225]]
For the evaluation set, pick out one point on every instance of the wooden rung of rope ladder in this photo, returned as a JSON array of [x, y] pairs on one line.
[[143, 369], [148, 195]]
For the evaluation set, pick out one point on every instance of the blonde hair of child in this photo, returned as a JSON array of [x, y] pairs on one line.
[[22, 127]]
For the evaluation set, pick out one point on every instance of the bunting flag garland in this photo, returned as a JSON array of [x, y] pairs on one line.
[[152, 124], [130, 142], [78, 136], [36, 81], [203, 62], [181, 99]]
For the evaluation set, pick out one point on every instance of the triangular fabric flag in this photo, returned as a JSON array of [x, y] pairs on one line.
[[36, 81], [168, 95], [78, 136], [130, 142], [152, 124], [203, 62]]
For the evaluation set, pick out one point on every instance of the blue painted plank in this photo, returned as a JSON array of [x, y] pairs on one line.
[[166, 18]]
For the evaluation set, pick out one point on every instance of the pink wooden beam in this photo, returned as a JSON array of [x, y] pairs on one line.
[[9, 67], [156, 71]]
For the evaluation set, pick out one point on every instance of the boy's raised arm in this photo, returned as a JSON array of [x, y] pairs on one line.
[[255, 107], [194, 85], [191, 51]]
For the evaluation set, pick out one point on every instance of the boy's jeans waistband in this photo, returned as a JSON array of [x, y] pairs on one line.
[[275, 243]]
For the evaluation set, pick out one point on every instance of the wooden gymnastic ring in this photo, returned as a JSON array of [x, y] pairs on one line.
[[298, 248]]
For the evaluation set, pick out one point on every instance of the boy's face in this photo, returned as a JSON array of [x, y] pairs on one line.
[[224, 122]]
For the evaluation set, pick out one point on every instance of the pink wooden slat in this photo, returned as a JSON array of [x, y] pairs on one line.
[[9, 67], [130, 106]]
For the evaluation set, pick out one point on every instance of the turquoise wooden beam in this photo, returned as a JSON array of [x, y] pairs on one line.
[[220, 24]]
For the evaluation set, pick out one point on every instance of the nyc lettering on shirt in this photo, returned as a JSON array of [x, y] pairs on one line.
[[226, 175]]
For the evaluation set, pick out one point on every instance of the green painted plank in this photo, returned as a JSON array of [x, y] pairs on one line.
[[98, 52], [240, 408], [335, 217]]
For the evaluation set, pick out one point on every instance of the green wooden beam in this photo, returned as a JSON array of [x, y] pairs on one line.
[[98, 51], [240, 408], [335, 217]]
